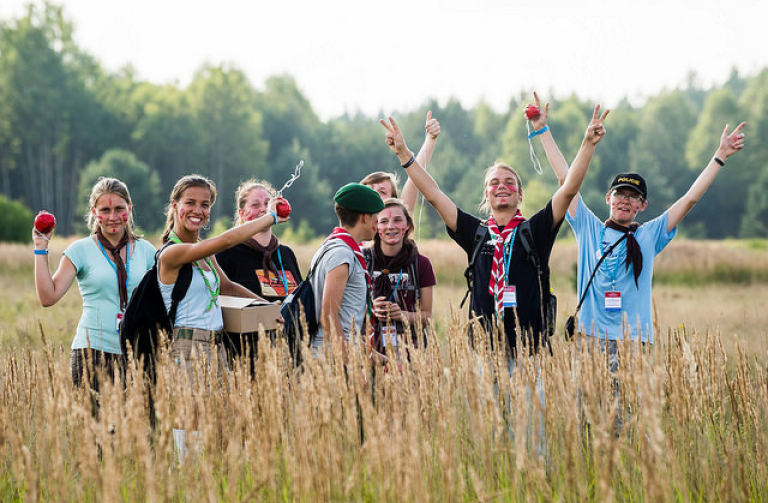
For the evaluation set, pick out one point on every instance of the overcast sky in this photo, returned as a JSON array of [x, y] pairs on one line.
[[349, 56]]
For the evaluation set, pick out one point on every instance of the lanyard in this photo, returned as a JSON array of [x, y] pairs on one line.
[[114, 268], [213, 292], [282, 276], [612, 276], [394, 290], [506, 252]]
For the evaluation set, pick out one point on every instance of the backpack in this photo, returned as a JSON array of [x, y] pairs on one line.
[[301, 301], [145, 316], [549, 304]]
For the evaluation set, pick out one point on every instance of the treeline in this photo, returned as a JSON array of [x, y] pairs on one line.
[[64, 121]]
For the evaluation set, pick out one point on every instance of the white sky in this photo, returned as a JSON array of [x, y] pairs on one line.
[[349, 56]]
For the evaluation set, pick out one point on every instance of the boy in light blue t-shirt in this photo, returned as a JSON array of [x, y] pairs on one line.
[[618, 302]]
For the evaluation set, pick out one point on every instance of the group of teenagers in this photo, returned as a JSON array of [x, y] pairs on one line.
[[371, 284]]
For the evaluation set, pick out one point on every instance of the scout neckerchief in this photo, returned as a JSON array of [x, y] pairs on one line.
[[498, 270], [214, 292], [346, 237], [634, 254], [119, 264]]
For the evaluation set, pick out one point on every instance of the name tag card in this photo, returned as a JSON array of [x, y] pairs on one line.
[[612, 301], [509, 297]]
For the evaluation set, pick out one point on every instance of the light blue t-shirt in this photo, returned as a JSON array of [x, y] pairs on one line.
[[97, 280], [193, 310], [353, 301], [613, 276]]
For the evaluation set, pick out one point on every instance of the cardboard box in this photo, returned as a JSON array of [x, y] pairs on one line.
[[242, 315]]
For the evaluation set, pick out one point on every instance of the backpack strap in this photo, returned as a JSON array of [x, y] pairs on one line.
[[527, 241], [183, 280], [469, 273]]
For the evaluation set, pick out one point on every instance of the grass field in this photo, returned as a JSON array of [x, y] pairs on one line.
[[454, 425]]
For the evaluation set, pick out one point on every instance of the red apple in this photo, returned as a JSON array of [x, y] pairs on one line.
[[532, 112], [45, 222], [283, 208]]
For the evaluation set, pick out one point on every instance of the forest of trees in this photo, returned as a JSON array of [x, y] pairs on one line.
[[65, 121]]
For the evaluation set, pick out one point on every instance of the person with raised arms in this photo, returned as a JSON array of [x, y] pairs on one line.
[[506, 291], [617, 303]]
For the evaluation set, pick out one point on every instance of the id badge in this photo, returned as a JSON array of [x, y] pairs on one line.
[[509, 297], [612, 302], [389, 335], [118, 321]]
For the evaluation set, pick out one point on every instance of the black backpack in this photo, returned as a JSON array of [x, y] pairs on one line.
[[300, 300], [145, 316], [549, 303]]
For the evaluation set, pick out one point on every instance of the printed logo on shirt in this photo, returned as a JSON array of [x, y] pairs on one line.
[[272, 285]]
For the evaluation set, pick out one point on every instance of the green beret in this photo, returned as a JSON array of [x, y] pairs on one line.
[[360, 198]]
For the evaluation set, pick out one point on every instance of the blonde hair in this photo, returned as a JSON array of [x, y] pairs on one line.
[[114, 186], [381, 176], [484, 206], [242, 192], [178, 190]]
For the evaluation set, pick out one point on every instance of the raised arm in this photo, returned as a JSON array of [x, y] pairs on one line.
[[173, 257], [554, 156], [421, 179], [410, 192], [564, 199], [729, 145]]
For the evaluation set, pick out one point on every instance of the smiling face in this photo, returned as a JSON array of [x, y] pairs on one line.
[[256, 203], [625, 203], [112, 213], [502, 189], [193, 209], [393, 225]]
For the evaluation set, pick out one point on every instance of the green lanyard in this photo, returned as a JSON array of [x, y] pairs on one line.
[[214, 292]]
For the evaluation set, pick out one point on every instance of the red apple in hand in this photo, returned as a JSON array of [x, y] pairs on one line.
[[45, 222], [283, 208], [532, 112]]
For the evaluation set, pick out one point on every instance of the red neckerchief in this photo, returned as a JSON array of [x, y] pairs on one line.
[[496, 284], [346, 237]]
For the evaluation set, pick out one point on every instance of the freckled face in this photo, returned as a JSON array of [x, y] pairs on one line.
[[392, 225], [255, 205], [193, 209], [112, 213], [384, 188]]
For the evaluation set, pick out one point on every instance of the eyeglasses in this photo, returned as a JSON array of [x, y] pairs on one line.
[[627, 197]]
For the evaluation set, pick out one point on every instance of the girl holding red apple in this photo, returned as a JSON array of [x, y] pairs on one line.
[[108, 265]]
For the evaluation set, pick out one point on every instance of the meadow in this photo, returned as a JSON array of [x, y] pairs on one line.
[[691, 423]]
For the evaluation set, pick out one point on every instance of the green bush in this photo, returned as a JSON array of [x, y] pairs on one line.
[[15, 221]]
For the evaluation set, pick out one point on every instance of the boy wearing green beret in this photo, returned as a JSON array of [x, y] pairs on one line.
[[340, 277]]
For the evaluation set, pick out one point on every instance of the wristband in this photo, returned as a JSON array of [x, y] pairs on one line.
[[540, 131], [41, 252], [274, 215], [719, 161], [410, 161]]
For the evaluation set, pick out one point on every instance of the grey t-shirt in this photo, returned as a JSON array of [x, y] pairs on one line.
[[354, 298]]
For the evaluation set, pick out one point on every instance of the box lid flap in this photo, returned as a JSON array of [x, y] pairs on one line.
[[239, 302]]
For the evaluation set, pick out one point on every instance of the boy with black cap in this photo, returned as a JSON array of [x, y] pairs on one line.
[[618, 301], [339, 273]]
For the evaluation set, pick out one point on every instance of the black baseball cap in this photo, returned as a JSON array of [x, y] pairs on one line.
[[631, 180]]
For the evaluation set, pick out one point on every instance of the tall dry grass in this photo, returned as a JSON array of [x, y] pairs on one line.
[[453, 426]]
